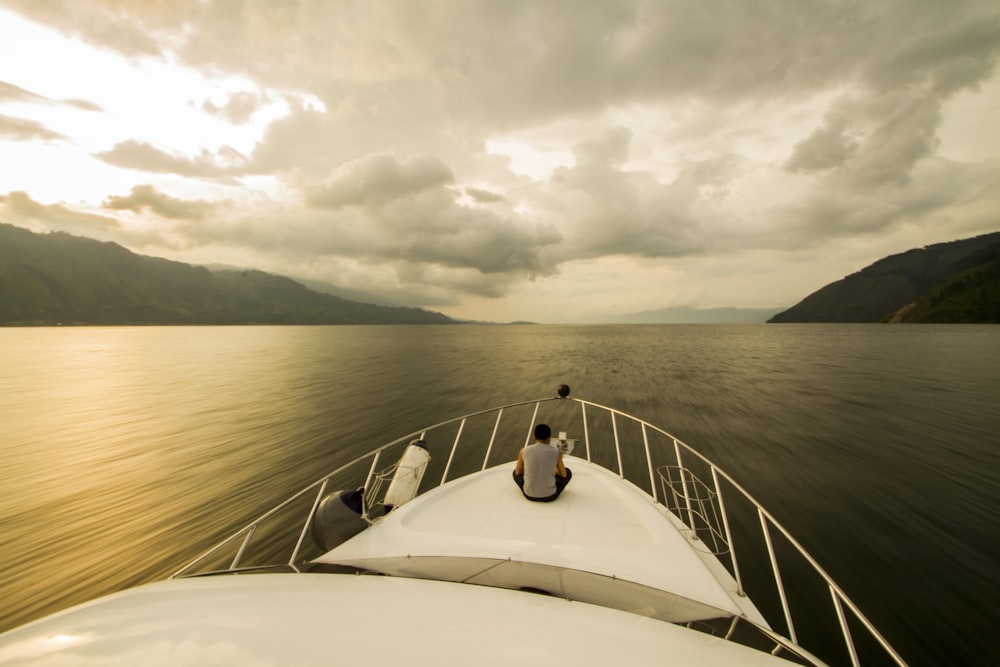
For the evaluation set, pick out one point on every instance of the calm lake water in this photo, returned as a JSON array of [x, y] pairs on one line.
[[127, 451]]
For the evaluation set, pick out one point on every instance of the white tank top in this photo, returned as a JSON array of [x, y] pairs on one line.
[[540, 470]]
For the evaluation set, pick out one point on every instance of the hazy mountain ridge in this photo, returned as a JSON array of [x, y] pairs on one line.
[[680, 315], [59, 278], [957, 281]]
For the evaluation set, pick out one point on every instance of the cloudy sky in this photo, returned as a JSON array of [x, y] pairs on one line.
[[553, 161]]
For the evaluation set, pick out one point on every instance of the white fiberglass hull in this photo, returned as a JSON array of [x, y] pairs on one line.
[[313, 619]]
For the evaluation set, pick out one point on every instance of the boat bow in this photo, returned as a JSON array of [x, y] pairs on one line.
[[603, 542], [650, 544]]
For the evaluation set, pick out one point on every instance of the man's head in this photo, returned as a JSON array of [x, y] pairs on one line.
[[542, 432]]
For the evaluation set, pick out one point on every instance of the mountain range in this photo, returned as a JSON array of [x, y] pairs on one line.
[[57, 278], [958, 281]]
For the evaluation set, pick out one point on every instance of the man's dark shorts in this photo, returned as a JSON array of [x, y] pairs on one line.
[[561, 483]]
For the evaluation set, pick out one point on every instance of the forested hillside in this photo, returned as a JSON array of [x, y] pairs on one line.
[[57, 278], [944, 282], [973, 296]]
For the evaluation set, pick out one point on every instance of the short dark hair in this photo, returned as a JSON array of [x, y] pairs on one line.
[[542, 432]]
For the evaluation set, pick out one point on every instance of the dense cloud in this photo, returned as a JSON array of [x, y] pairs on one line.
[[141, 156], [409, 213], [20, 206], [379, 179], [146, 197], [444, 148]]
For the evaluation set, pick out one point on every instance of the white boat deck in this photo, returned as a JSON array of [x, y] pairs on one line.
[[603, 541]]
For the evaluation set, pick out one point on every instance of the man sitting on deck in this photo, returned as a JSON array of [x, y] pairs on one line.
[[540, 472]]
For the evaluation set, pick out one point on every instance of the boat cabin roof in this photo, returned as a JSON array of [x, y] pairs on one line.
[[300, 619]]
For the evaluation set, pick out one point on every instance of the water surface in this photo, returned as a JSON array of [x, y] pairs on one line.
[[127, 451]]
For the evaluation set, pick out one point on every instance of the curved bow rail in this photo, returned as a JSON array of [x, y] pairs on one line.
[[767, 563]]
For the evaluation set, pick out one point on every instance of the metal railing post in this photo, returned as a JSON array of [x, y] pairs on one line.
[[531, 427], [458, 436], [489, 448], [649, 463], [684, 485], [586, 431], [844, 628], [371, 471], [618, 448], [305, 527], [243, 547], [367, 495], [777, 576], [729, 534]]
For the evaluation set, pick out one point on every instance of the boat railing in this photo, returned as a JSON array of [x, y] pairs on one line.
[[694, 502], [721, 513]]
